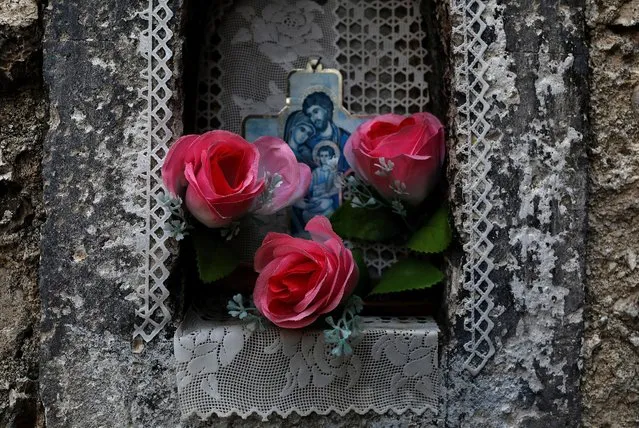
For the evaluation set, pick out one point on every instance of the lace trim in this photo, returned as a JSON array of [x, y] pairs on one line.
[[227, 368], [152, 313], [473, 128]]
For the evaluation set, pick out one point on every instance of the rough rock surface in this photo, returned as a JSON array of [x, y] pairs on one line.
[[20, 36], [23, 115], [22, 126], [538, 65], [611, 350]]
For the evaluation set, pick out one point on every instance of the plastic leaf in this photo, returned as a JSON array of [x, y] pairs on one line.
[[434, 236], [365, 224], [408, 274], [215, 259]]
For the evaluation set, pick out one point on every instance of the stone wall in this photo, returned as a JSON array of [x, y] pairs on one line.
[[610, 383], [89, 373], [23, 117]]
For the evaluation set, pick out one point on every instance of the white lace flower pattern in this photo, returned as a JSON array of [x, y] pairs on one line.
[[273, 102], [310, 361], [227, 367], [283, 31]]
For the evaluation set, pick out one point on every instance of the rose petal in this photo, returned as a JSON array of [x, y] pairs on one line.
[[405, 141], [276, 157], [310, 303], [199, 206], [282, 258], [368, 166], [282, 316], [345, 278], [261, 292], [420, 172], [415, 145], [220, 171], [264, 254], [174, 163], [216, 188], [321, 230]]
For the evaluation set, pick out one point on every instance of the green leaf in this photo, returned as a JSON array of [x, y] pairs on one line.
[[434, 236], [364, 283], [408, 274], [365, 224], [215, 258]]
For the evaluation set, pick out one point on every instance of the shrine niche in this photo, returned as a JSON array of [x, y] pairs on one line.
[[359, 363], [379, 76], [301, 79], [504, 259]]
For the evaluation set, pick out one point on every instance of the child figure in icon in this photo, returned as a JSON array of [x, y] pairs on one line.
[[323, 194]]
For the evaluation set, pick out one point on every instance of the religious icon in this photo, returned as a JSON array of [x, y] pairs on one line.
[[316, 126]]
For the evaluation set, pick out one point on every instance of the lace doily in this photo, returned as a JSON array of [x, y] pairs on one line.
[[227, 368]]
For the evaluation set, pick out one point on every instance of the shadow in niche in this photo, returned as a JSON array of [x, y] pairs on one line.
[[203, 22], [195, 31]]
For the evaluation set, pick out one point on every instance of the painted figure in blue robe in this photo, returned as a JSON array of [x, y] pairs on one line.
[[319, 109], [297, 132]]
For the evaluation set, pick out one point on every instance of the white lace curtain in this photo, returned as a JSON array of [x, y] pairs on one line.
[[252, 45]]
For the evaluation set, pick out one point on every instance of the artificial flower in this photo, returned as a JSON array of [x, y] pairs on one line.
[[301, 279], [222, 177], [288, 179], [401, 157]]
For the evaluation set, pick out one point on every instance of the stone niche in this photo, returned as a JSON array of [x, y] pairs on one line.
[[125, 80], [241, 58]]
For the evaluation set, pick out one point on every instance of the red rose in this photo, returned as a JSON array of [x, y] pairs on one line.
[[400, 156], [219, 171], [300, 279], [222, 176]]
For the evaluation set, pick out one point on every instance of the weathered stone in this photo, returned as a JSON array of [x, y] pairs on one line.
[[22, 125], [611, 347], [18, 13], [537, 68], [20, 35], [90, 260]]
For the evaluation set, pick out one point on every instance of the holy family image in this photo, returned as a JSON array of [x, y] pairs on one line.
[[316, 127]]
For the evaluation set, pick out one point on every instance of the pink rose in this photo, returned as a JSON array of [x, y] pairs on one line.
[[301, 279], [276, 157], [400, 156], [222, 177]]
